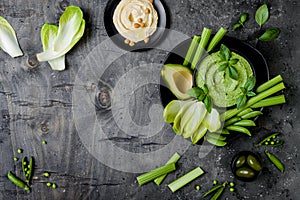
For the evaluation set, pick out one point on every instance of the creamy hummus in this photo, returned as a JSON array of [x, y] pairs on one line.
[[223, 90], [135, 20]]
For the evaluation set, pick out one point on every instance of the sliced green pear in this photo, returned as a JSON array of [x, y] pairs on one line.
[[177, 120], [198, 112], [171, 110], [198, 134], [212, 121], [178, 78]]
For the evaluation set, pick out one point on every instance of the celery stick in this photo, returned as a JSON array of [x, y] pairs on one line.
[[269, 84], [231, 113], [173, 159], [185, 179], [271, 101], [201, 47], [216, 39], [190, 52], [149, 176]]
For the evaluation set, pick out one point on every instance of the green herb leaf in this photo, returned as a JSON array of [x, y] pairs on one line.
[[236, 26], [205, 89], [223, 67], [195, 92], [250, 84], [233, 73], [208, 103], [243, 90], [262, 15], [201, 96], [225, 52], [251, 94], [270, 35], [241, 101], [243, 18], [233, 61]]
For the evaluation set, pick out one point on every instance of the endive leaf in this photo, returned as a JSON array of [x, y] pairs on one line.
[[48, 36], [8, 39], [171, 110], [197, 135], [212, 121], [177, 120]]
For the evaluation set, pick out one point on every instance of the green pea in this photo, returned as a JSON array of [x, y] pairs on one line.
[[231, 184], [240, 161], [254, 163], [231, 189], [198, 187], [245, 172]]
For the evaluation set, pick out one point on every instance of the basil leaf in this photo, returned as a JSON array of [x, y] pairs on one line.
[[233, 61], [208, 103], [225, 52], [241, 101], [270, 35], [236, 26], [243, 18], [205, 88], [251, 94], [201, 96], [233, 73], [195, 92], [250, 83], [262, 15], [243, 90], [223, 67]]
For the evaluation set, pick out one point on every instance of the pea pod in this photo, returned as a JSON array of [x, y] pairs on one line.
[[252, 114], [231, 121], [30, 170], [272, 136], [18, 182], [219, 192], [225, 132], [275, 161], [244, 112], [24, 166], [212, 190], [215, 142], [245, 122], [239, 129], [216, 136]]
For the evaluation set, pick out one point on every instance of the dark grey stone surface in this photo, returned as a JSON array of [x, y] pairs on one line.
[[40, 104]]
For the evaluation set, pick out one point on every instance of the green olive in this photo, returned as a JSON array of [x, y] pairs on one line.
[[254, 163], [245, 172], [240, 161]]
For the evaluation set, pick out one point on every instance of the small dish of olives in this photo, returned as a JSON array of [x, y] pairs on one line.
[[246, 166]]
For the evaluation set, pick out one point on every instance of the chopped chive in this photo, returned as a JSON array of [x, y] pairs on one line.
[[201, 47], [216, 39], [269, 84], [149, 176], [173, 159], [271, 101], [20, 150], [189, 54], [185, 179]]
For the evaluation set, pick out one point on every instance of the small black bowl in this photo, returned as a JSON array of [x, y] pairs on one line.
[[234, 168]]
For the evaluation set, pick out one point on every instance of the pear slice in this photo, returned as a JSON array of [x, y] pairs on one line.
[[171, 110], [177, 120], [178, 78], [197, 112], [197, 135], [212, 121]]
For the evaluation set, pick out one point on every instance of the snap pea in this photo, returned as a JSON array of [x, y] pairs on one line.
[[231, 121], [30, 170], [24, 166], [215, 142], [268, 138], [213, 189], [245, 122], [216, 136], [219, 192], [18, 182], [239, 129], [244, 112], [251, 114], [275, 161], [225, 132]]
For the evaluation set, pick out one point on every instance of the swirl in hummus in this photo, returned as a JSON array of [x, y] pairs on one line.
[[135, 20]]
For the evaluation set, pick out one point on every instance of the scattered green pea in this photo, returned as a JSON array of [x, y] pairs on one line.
[[20, 150], [48, 184], [231, 184], [198, 187], [231, 189], [272, 142], [46, 174], [266, 143], [16, 159], [54, 186], [44, 142], [215, 182]]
